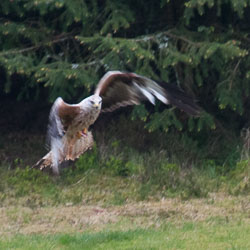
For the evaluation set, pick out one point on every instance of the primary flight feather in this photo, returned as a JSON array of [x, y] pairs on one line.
[[68, 135]]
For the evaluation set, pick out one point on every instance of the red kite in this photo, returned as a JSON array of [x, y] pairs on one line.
[[68, 124]]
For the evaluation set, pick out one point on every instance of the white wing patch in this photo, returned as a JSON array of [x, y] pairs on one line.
[[159, 96], [146, 93], [151, 93]]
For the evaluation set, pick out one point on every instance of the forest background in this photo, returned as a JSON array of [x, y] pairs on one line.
[[62, 48]]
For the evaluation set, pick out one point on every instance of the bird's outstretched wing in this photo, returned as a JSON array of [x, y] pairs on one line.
[[62, 115], [119, 89]]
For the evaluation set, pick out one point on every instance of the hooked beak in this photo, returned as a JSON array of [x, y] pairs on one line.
[[96, 105]]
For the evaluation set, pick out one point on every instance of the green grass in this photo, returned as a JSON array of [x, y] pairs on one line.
[[130, 159], [98, 180], [189, 235], [123, 195]]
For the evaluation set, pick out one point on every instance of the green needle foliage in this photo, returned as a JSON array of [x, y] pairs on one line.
[[63, 47]]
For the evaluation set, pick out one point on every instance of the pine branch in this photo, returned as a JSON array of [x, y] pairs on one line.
[[170, 34], [166, 33], [233, 74], [35, 47]]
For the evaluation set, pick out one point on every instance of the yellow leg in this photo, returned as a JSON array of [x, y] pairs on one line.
[[85, 131], [79, 134]]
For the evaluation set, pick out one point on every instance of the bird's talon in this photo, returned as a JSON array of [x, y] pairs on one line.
[[84, 132], [79, 134]]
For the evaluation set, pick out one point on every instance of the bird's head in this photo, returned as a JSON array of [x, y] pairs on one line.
[[95, 101]]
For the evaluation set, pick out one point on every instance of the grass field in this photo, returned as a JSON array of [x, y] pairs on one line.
[[118, 198], [217, 222], [100, 211], [189, 235]]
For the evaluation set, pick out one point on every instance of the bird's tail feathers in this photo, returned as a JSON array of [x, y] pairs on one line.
[[57, 155], [44, 162]]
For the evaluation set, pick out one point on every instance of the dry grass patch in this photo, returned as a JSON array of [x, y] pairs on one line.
[[80, 218]]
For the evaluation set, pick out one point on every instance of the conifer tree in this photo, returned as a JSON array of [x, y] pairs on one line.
[[66, 46]]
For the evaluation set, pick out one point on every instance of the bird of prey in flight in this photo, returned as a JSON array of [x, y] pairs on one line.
[[68, 135]]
